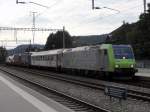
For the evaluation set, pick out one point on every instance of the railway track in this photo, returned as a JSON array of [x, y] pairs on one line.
[[142, 82], [75, 104], [134, 94]]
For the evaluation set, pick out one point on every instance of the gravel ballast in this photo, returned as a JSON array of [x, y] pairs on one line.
[[94, 96]]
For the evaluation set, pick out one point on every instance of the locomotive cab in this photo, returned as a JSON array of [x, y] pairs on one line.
[[124, 61]]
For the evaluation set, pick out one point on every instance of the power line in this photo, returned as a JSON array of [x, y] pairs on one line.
[[49, 8], [112, 9], [15, 40], [95, 20], [39, 4], [4, 42], [29, 29], [17, 2], [33, 29], [95, 7]]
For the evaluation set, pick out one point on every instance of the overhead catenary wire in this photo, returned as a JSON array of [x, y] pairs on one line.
[[48, 8], [39, 4], [18, 2], [102, 17], [122, 12], [15, 29]]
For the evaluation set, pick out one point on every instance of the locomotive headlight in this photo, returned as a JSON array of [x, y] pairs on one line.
[[116, 66], [132, 66]]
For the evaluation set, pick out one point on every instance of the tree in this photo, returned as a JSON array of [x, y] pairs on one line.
[[3, 54], [137, 34], [55, 41]]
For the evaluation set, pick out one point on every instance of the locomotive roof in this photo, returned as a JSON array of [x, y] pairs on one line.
[[82, 48], [47, 52], [68, 50]]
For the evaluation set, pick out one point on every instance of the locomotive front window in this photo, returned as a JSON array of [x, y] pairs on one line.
[[123, 52]]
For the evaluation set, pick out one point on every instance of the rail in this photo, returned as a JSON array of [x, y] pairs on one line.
[[131, 93], [77, 105]]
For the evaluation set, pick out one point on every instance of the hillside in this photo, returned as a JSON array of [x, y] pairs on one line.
[[23, 48], [55, 40], [89, 40]]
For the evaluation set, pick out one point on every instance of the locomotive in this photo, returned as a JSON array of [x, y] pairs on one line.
[[105, 59]]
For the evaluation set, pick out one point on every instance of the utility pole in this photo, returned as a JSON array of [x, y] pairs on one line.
[[92, 4], [144, 3], [33, 25], [63, 37], [15, 35]]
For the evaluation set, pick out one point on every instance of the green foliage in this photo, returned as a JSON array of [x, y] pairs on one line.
[[55, 41], [3, 54], [137, 34]]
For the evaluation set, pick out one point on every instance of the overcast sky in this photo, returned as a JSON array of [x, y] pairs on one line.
[[76, 15]]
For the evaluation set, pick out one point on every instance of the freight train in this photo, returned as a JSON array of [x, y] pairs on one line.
[[105, 60]]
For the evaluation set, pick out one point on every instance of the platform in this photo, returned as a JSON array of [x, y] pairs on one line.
[[15, 97], [143, 72]]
